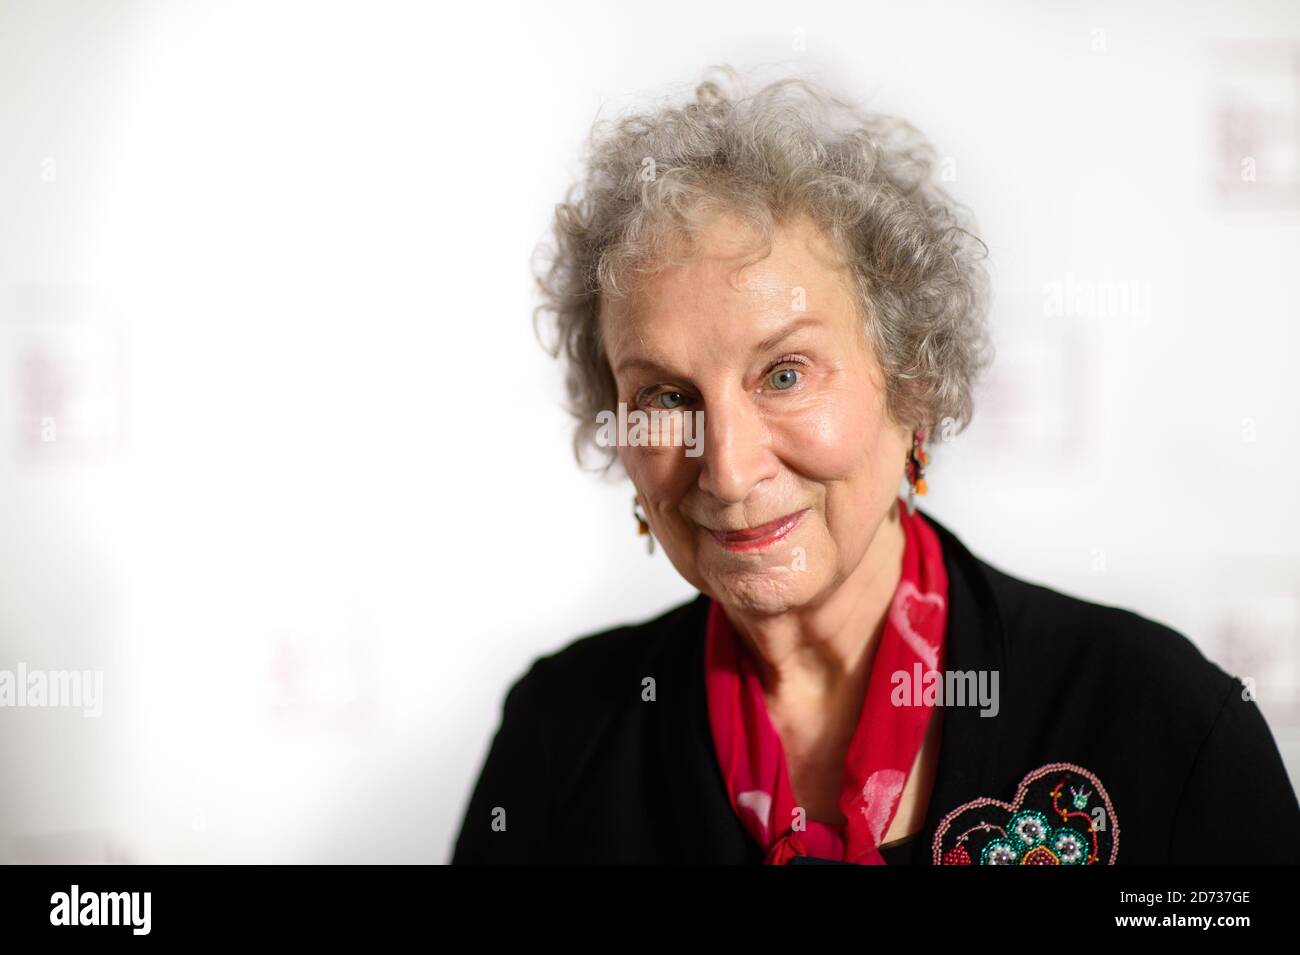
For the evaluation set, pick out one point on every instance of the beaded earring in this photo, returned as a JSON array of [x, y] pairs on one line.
[[643, 527], [916, 462]]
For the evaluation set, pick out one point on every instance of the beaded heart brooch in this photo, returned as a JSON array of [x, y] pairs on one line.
[[1061, 815]]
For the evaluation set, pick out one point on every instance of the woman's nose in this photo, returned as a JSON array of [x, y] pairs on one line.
[[737, 450]]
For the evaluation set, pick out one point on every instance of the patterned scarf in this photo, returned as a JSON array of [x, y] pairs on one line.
[[884, 745]]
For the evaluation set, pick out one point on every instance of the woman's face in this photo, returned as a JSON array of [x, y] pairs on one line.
[[799, 463]]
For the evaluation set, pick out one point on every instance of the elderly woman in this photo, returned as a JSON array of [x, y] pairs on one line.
[[778, 277]]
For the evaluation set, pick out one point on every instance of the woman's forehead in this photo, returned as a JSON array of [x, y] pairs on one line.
[[665, 342], [732, 246], [724, 271]]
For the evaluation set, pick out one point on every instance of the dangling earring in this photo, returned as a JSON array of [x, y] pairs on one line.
[[643, 527], [916, 462]]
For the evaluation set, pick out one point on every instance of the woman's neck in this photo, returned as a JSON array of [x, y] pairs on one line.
[[818, 651]]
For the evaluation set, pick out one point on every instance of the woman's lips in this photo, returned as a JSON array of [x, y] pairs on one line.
[[756, 538]]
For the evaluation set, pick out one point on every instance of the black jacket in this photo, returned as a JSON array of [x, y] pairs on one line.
[[583, 770]]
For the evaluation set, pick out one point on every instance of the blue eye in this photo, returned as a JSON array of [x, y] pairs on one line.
[[670, 399], [784, 378]]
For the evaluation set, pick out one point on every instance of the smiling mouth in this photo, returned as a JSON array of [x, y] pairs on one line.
[[756, 538]]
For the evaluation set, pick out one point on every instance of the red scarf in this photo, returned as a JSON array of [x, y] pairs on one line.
[[884, 745]]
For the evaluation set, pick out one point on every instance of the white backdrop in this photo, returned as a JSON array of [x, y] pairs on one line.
[[281, 458]]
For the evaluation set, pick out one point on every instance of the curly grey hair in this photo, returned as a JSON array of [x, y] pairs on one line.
[[788, 149]]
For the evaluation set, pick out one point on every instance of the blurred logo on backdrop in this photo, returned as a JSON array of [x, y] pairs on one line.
[[66, 371], [1256, 123]]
